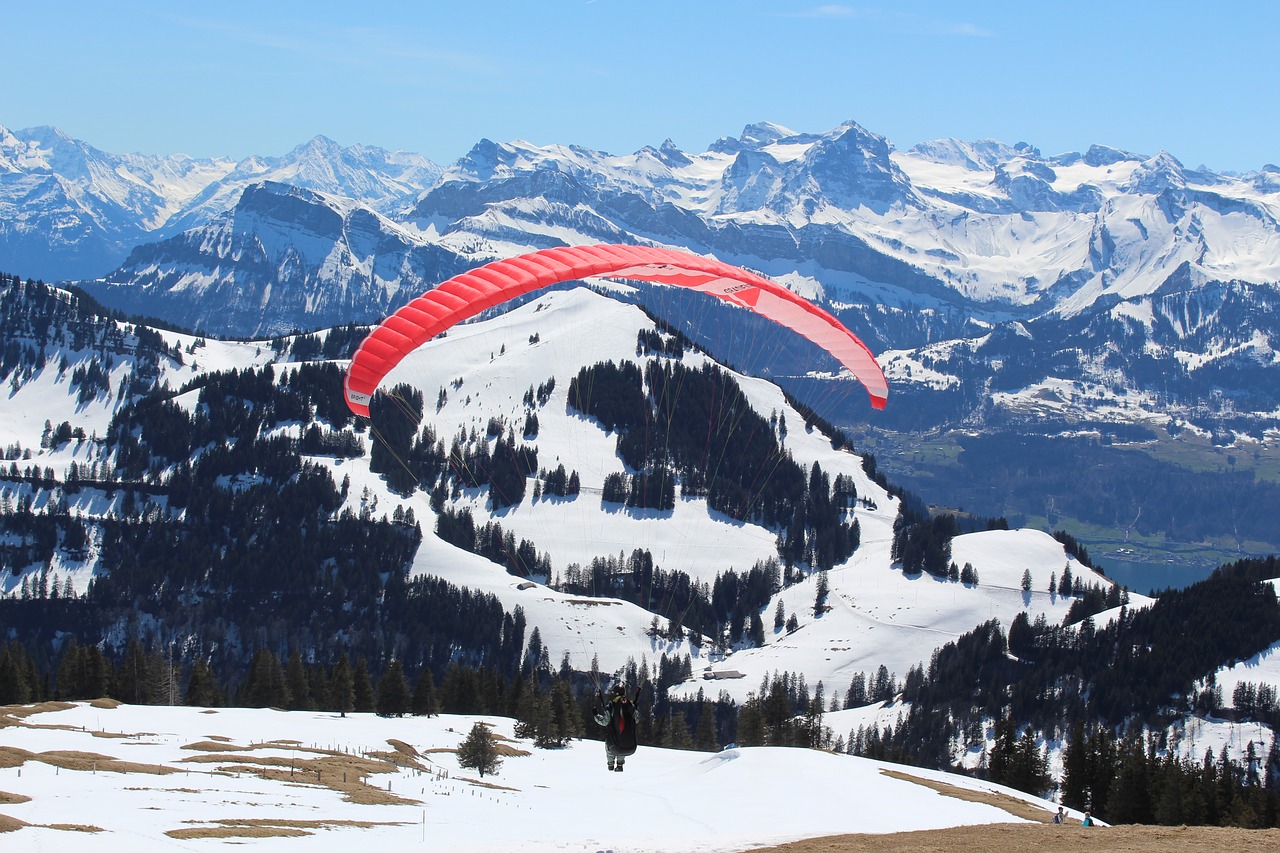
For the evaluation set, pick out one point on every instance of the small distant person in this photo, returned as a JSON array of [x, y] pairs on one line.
[[1060, 817], [618, 716], [1088, 820]]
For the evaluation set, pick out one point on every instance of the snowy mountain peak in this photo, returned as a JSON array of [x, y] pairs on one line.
[[1102, 155], [982, 155], [671, 154], [486, 159], [318, 146], [762, 133], [852, 167], [1157, 174]]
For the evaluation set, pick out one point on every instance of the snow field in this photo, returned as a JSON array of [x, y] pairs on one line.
[[547, 800]]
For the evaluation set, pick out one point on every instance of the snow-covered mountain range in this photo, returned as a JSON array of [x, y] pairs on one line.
[[998, 226], [1108, 294], [69, 210], [952, 256]]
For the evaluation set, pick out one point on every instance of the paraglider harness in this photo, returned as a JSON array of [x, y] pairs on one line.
[[617, 715]]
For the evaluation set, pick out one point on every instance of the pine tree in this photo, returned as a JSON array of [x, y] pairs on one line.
[[425, 701], [566, 722], [676, 731], [70, 673], [393, 692], [820, 599], [202, 689], [751, 722], [479, 751], [1075, 772], [1002, 751], [15, 687], [342, 696], [298, 685], [704, 736], [131, 678], [362, 686], [265, 685]]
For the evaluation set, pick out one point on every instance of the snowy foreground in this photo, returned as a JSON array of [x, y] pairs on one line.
[[133, 778]]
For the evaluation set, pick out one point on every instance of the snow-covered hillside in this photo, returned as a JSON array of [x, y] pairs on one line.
[[108, 778], [481, 373], [877, 616]]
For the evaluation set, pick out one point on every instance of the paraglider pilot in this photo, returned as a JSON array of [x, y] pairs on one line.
[[618, 716]]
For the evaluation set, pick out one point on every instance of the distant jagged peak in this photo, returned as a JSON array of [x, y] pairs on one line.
[[669, 156], [1266, 179], [853, 168], [485, 160], [1157, 174], [1024, 166], [762, 133], [757, 135], [318, 145], [1098, 156], [290, 202], [322, 150], [285, 201], [49, 137], [980, 156], [49, 149], [850, 134], [1104, 155], [672, 155]]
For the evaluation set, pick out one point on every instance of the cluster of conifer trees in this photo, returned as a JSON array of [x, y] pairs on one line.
[[1099, 689]]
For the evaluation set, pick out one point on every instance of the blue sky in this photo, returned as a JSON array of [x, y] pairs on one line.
[[1200, 80]]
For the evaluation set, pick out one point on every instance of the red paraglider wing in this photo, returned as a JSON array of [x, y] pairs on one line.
[[466, 295]]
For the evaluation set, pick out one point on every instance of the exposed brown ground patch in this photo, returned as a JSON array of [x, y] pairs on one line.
[[15, 715], [1038, 838], [236, 832], [215, 746], [338, 771], [7, 799], [11, 824], [1013, 805], [268, 828], [403, 748], [24, 711], [11, 756], [506, 750], [74, 827]]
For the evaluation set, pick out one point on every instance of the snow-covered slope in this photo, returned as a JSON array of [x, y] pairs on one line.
[[480, 373], [125, 778], [878, 615], [284, 258]]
